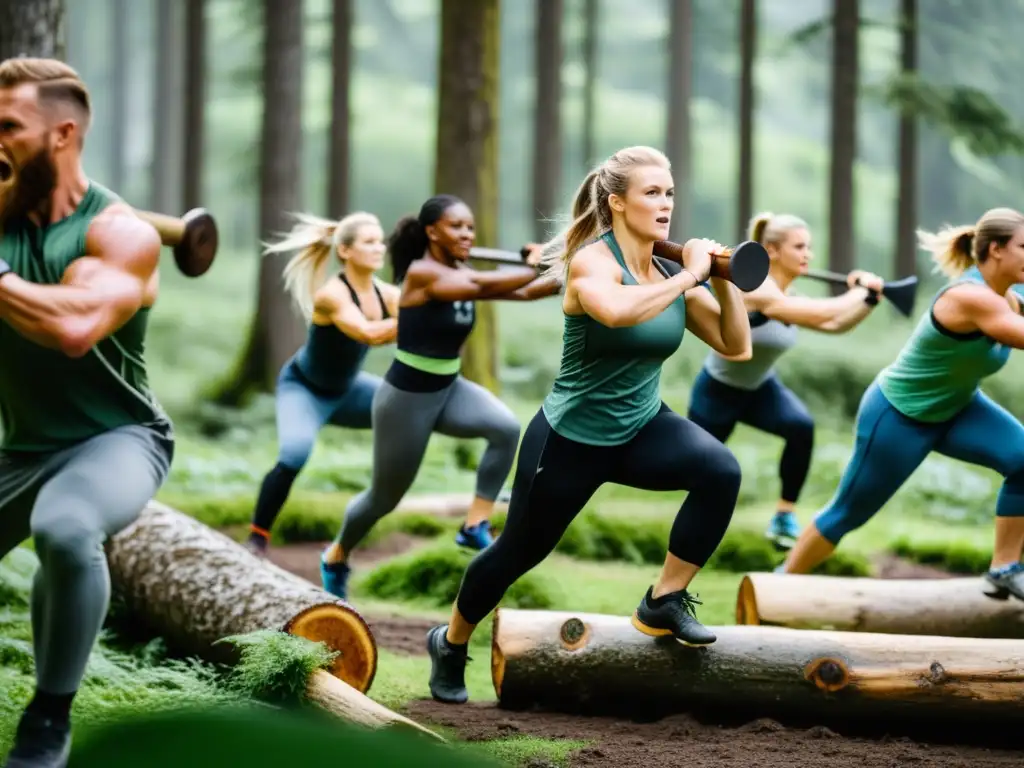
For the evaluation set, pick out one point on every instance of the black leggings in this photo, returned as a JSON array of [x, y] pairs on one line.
[[771, 408], [555, 478]]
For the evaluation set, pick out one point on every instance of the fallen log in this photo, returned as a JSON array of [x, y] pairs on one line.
[[345, 702], [581, 662], [952, 607], [195, 586], [441, 504]]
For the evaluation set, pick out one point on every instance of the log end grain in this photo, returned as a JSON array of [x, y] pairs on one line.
[[341, 629], [746, 603]]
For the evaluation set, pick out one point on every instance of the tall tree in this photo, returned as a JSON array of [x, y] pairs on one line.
[[591, 14], [679, 127], [906, 200], [467, 147], [748, 56], [119, 83], [195, 102], [341, 77], [845, 76], [547, 123], [32, 28], [277, 330], [168, 132]]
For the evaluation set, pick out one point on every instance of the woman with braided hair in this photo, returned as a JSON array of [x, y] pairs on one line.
[[322, 383], [929, 399], [729, 391], [604, 421], [423, 391]]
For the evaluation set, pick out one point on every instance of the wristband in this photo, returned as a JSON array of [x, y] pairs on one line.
[[871, 299], [4, 268]]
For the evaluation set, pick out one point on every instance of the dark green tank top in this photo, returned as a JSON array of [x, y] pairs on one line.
[[48, 400], [608, 385]]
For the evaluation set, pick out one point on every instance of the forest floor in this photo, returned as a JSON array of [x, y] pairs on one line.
[[681, 740]]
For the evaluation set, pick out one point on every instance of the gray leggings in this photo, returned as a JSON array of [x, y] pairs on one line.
[[402, 425], [69, 502]]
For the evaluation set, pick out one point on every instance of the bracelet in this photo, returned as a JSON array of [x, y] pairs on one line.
[[696, 282]]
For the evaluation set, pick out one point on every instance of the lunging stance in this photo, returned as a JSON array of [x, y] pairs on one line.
[[322, 383], [86, 444], [928, 399], [604, 421], [423, 392], [729, 391]]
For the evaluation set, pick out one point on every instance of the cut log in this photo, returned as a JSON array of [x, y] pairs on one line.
[[195, 586], [344, 701], [952, 607], [580, 662], [441, 504]]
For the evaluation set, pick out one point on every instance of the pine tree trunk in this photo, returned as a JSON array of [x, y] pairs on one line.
[[906, 202], [679, 127], [547, 122], [32, 28], [579, 662], [341, 77], [168, 133], [591, 12], [467, 148], [748, 57], [195, 586], [845, 74], [195, 104]]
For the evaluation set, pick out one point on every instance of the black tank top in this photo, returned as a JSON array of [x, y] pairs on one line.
[[329, 359], [430, 338]]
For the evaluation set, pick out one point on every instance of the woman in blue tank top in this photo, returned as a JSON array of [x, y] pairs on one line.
[[322, 383], [728, 391], [423, 392]]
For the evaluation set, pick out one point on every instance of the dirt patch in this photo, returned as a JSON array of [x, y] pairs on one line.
[[893, 567], [683, 741], [303, 558]]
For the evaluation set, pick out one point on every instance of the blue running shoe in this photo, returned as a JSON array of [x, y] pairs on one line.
[[784, 530], [335, 578], [478, 537], [1006, 581]]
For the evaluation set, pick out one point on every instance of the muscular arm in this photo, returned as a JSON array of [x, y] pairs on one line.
[[539, 288], [98, 294], [721, 324], [595, 282], [975, 307], [338, 307], [832, 315], [444, 284]]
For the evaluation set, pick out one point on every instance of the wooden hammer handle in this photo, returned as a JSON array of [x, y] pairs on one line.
[[171, 228]]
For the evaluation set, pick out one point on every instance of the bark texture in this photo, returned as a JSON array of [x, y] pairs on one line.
[[32, 28]]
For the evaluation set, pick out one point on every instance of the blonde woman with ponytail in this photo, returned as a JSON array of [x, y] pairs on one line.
[[729, 391], [347, 314], [929, 398], [625, 312]]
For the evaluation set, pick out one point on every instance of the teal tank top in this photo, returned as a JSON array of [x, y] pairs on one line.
[[938, 371], [608, 383], [49, 401]]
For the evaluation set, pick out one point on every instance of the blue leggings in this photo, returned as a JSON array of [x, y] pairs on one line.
[[301, 413], [771, 408], [889, 447]]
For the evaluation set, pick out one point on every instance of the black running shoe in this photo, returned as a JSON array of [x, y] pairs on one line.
[[447, 667], [672, 614], [40, 743]]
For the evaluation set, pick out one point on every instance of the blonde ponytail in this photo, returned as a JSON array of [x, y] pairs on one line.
[[772, 228], [757, 226], [951, 248], [315, 239]]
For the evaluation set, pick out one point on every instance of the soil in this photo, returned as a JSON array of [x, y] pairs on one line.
[[680, 740], [683, 741]]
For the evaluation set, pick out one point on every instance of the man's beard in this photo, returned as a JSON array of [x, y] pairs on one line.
[[37, 178]]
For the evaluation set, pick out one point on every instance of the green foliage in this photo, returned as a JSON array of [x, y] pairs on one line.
[[952, 556], [275, 666], [434, 574]]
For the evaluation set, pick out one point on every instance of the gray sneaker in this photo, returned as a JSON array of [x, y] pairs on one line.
[[1006, 581], [40, 743]]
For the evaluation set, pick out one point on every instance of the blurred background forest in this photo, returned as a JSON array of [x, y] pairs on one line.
[[867, 118]]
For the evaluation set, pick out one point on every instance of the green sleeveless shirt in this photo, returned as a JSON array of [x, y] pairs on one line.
[[608, 384], [48, 400], [938, 371]]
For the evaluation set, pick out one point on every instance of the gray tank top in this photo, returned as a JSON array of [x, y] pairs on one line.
[[769, 340]]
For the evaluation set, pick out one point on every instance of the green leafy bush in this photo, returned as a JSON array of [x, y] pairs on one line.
[[955, 557]]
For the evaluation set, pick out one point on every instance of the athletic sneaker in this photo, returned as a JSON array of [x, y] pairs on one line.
[[447, 667], [40, 743], [257, 545], [672, 614], [335, 577], [784, 530], [1008, 580], [477, 537]]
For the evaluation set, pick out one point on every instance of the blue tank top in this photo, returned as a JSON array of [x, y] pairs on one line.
[[330, 359]]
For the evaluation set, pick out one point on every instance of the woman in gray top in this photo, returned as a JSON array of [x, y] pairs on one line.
[[729, 391]]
